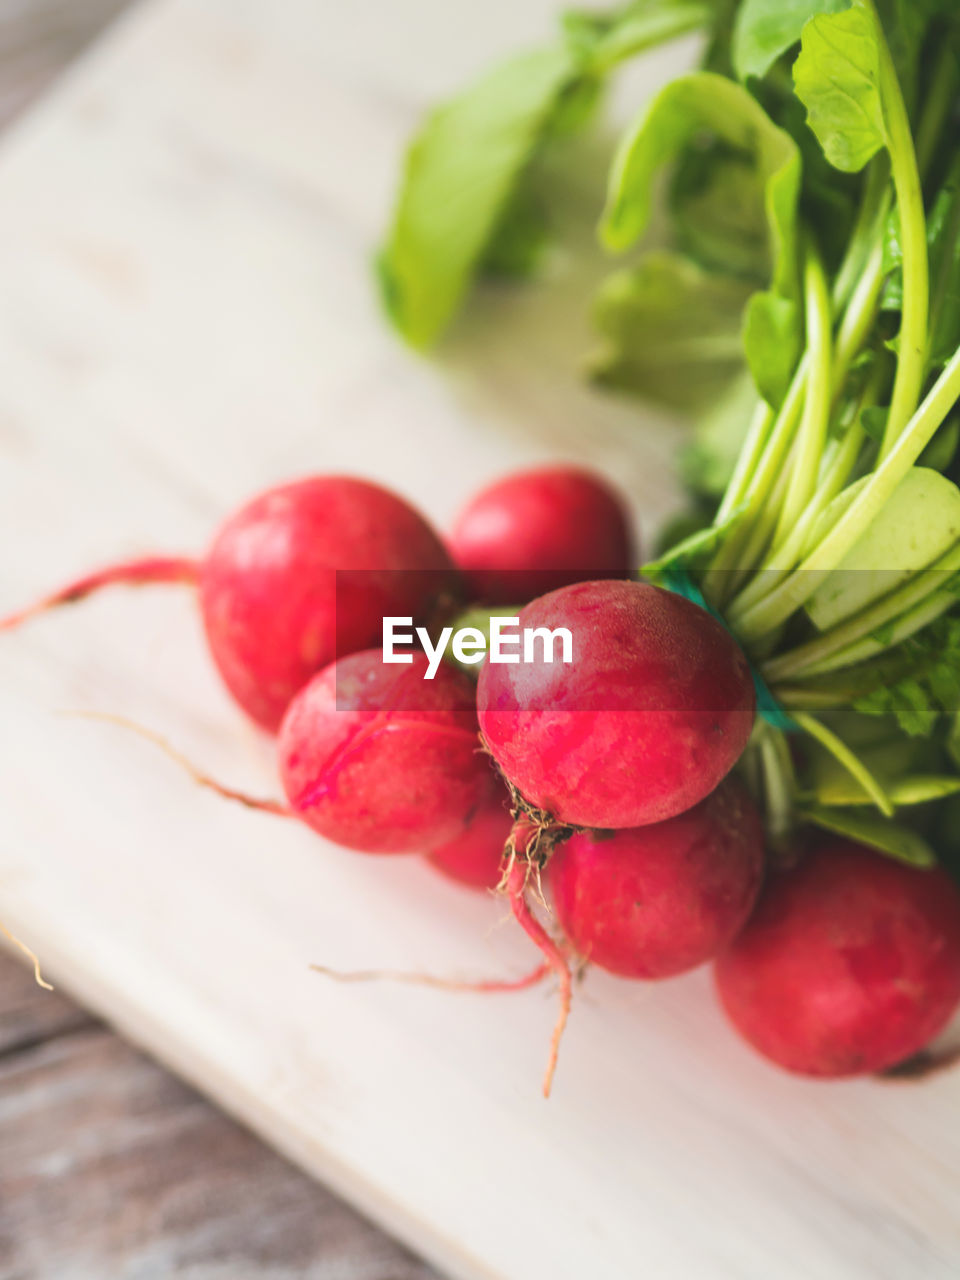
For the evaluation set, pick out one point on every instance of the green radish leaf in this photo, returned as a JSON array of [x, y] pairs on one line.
[[678, 528], [520, 239], [603, 40], [942, 449], [832, 512], [695, 550], [881, 743], [830, 199], [690, 109], [919, 789], [709, 111], [707, 462], [883, 635], [719, 218], [461, 207], [943, 243], [909, 702], [927, 684], [765, 29], [891, 296], [460, 174], [771, 342], [906, 24], [890, 757], [670, 330], [918, 523], [828, 740], [837, 78], [922, 788], [943, 227], [874, 421], [896, 841]]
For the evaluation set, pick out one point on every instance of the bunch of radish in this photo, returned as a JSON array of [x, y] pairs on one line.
[[601, 794]]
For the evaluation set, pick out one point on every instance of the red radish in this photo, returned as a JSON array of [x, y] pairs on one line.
[[475, 857], [850, 964], [650, 902], [653, 711], [379, 759], [306, 573], [538, 530], [299, 576]]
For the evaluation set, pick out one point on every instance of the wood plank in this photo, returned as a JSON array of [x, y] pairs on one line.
[[38, 38], [109, 1166], [185, 233], [29, 1015]]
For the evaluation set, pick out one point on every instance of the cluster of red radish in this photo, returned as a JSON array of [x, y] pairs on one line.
[[608, 779]]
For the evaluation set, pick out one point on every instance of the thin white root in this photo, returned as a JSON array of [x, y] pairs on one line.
[[199, 777], [482, 986], [22, 946]]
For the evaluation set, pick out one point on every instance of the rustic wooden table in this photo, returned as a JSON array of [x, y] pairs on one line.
[[110, 1167]]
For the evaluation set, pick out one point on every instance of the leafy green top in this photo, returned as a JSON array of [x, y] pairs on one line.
[[802, 307]]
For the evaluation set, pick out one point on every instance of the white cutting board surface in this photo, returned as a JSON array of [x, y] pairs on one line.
[[187, 317]]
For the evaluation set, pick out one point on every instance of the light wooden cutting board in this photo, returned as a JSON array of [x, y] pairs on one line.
[[185, 317]]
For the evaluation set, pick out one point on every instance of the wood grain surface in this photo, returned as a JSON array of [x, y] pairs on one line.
[[186, 230], [38, 38], [109, 1166]]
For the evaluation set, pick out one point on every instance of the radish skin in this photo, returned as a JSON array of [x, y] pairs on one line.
[[377, 758], [850, 965], [650, 716], [305, 574], [654, 901], [538, 530], [474, 858], [299, 576]]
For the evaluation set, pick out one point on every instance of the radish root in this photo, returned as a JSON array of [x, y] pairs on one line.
[[202, 779], [22, 946], [482, 986], [131, 573], [517, 883]]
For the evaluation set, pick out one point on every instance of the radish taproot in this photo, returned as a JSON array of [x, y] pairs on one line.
[[850, 964], [523, 840], [538, 530], [652, 713], [300, 575], [377, 758], [653, 901]]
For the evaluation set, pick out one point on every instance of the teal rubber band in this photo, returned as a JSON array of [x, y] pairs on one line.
[[768, 708]]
